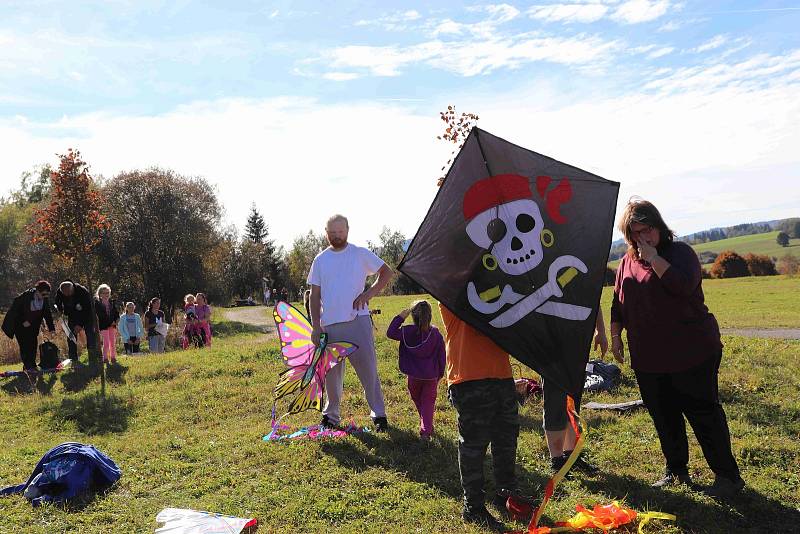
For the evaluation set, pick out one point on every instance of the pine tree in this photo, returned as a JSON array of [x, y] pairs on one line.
[[256, 229]]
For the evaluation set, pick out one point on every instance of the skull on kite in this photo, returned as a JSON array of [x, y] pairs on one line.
[[516, 244]]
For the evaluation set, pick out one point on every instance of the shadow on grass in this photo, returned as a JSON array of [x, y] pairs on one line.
[[23, 385], [748, 512], [95, 414], [115, 373], [434, 463], [79, 377], [234, 328]]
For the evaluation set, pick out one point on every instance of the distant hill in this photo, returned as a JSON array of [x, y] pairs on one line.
[[756, 244], [717, 235]]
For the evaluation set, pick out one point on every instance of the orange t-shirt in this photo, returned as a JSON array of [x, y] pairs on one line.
[[470, 354]]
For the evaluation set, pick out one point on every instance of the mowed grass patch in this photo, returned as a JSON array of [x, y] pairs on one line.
[[186, 429]]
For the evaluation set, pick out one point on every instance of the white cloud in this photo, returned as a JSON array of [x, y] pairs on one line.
[[341, 76], [396, 21], [636, 11], [470, 57], [661, 52], [713, 43], [709, 144], [586, 13], [448, 27]]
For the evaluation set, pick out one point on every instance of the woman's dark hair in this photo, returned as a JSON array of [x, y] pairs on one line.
[[42, 286], [642, 211], [150, 304]]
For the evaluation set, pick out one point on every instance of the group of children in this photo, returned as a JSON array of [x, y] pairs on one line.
[[132, 327]]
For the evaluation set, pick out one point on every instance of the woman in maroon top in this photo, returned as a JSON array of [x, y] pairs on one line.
[[675, 346]]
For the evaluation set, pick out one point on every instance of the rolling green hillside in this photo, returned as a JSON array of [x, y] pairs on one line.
[[756, 244]]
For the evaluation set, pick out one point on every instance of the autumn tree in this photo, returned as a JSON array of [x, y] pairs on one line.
[[759, 265], [788, 264], [298, 260], [72, 224], [456, 130], [729, 265], [166, 231]]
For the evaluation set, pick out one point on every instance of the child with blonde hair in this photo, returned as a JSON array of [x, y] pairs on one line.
[[421, 358], [107, 318]]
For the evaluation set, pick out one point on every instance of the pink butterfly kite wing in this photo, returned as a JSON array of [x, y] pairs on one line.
[[294, 332]]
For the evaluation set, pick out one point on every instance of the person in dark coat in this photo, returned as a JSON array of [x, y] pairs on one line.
[[75, 302], [674, 345], [24, 320]]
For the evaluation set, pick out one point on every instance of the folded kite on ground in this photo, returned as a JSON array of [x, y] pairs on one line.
[[186, 521]]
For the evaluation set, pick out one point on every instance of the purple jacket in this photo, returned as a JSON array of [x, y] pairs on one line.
[[421, 355]]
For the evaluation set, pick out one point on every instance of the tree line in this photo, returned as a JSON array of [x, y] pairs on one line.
[[156, 233]]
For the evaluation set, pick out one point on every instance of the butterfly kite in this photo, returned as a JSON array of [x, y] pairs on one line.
[[307, 364]]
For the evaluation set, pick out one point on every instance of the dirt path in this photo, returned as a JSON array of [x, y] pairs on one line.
[[767, 333], [258, 316]]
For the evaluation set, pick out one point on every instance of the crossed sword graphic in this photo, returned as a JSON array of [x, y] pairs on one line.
[[539, 300]]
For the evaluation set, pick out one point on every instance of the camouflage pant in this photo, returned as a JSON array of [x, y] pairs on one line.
[[487, 414]]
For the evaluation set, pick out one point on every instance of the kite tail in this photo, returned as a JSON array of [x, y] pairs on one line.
[[575, 421], [647, 516]]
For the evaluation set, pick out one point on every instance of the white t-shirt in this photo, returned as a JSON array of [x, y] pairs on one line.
[[341, 276]]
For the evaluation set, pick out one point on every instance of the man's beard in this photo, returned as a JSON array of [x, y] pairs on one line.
[[338, 242]]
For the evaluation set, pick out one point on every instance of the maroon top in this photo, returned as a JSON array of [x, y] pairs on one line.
[[669, 326]]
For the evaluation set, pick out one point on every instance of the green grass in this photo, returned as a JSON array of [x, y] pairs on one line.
[[764, 244], [186, 429], [750, 302], [756, 244]]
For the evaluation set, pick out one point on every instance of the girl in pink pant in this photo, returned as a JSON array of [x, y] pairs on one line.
[[422, 359], [107, 318], [203, 312]]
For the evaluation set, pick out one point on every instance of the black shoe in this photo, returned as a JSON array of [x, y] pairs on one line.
[[582, 465], [673, 479], [327, 424], [557, 463], [482, 518], [724, 488], [381, 424]]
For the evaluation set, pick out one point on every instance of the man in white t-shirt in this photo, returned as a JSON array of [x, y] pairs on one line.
[[339, 306]]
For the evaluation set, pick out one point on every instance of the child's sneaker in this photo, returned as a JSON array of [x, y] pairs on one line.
[[482, 518]]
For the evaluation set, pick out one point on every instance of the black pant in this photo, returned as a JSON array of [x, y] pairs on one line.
[[131, 348], [27, 339], [486, 412], [695, 394], [90, 341]]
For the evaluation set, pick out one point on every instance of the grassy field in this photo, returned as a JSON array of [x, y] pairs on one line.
[[756, 244], [186, 429]]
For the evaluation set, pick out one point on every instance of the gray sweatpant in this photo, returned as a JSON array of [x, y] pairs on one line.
[[363, 360]]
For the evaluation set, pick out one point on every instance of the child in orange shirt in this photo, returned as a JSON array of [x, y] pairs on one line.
[[481, 389]]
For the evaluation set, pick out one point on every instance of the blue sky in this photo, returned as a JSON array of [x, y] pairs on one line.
[[308, 109]]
